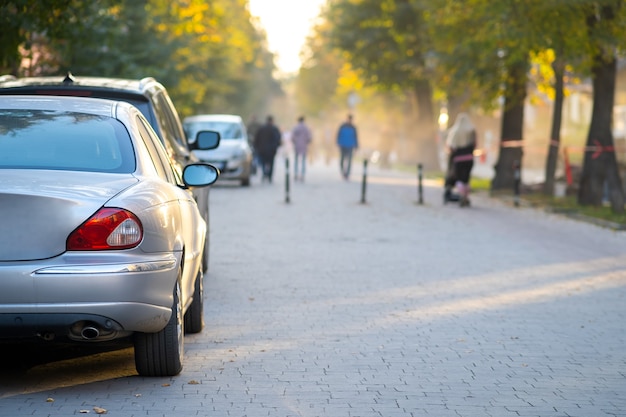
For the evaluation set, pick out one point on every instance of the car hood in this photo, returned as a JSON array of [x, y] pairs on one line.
[[39, 209], [226, 149]]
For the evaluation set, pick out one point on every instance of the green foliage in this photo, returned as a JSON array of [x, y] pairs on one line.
[[386, 39], [569, 205], [22, 20], [217, 58], [111, 39], [209, 55]]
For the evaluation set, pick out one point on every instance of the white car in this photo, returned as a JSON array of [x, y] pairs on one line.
[[234, 155], [101, 235]]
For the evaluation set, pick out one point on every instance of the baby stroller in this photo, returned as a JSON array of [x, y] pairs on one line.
[[462, 160], [448, 194]]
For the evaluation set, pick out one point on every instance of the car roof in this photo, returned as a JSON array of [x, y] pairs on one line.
[[86, 105], [233, 118], [49, 84]]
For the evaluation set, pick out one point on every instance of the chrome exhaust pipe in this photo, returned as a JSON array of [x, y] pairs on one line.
[[89, 332]]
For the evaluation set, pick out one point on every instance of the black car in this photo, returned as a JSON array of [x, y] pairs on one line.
[[147, 94]]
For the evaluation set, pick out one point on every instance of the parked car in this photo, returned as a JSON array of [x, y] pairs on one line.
[[148, 95], [234, 156], [101, 236]]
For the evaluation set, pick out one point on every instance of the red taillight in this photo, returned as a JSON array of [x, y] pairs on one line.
[[109, 228]]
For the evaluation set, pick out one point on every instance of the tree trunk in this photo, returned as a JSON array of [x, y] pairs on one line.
[[555, 135], [511, 150], [427, 127], [600, 163], [424, 94]]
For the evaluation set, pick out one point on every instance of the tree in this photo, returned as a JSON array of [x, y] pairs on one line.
[[555, 48], [113, 41], [557, 51], [388, 43], [219, 60], [483, 55], [24, 22], [558, 67], [600, 164], [209, 55]]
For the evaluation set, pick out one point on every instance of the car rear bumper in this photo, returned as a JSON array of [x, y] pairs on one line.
[[84, 298], [84, 327]]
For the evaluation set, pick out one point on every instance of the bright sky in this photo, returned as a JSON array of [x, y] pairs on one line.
[[287, 23]]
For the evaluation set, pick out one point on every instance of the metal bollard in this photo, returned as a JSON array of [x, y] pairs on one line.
[[420, 191], [517, 179], [364, 183], [287, 200]]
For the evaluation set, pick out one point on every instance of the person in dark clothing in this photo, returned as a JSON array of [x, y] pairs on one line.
[[266, 143]]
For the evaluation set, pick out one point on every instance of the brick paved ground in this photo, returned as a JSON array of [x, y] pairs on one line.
[[329, 307]]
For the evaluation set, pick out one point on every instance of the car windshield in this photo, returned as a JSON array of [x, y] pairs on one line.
[[63, 140], [227, 130]]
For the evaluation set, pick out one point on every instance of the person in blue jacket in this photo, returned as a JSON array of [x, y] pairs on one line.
[[348, 141]]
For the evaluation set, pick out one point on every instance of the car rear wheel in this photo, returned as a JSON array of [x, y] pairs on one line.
[[161, 353], [194, 317]]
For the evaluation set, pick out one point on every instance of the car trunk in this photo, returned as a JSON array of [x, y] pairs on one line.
[[41, 208]]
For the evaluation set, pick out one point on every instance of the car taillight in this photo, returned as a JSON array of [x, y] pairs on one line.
[[109, 228]]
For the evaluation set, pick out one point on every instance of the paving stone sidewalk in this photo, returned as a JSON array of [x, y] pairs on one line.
[[329, 307]]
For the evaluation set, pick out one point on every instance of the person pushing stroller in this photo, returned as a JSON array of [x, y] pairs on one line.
[[460, 142]]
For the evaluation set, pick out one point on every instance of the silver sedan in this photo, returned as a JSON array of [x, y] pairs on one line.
[[100, 235]]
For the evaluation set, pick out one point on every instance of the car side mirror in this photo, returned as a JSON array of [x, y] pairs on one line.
[[205, 140], [200, 175]]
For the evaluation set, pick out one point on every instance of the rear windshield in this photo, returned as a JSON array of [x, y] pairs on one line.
[[227, 130], [137, 100], [62, 140]]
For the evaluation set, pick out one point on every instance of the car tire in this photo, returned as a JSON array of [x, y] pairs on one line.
[[194, 317], [161, 353], [245, 182]]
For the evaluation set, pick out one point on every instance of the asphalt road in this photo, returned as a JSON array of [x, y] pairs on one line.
[[328, 306]]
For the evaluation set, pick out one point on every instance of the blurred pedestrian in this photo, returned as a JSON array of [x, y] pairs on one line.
[[301, 137], [460, 142], [266, 143], [347, 140]]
